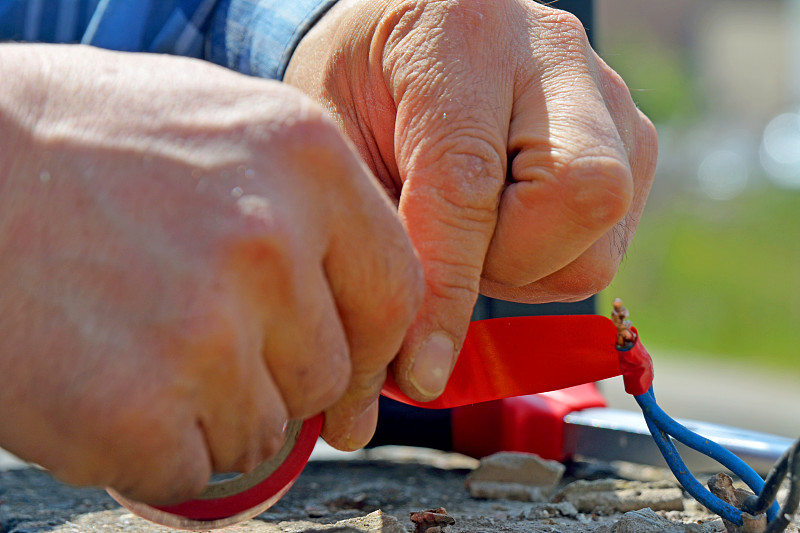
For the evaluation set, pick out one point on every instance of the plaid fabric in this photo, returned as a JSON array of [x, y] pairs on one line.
[[252, 36], [166, 26], [258, 37]]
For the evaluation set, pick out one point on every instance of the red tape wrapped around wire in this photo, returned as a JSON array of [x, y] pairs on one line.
[[636, 367]]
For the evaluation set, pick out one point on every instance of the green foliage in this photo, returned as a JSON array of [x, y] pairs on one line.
[[720, 278], [657, 77]]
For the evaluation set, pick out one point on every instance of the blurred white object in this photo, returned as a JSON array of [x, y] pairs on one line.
[[10, 462], [325, 452], [780, 150], [722, 174]]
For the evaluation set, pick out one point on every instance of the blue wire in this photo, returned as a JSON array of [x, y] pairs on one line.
[[688, 481], [696, 442], [655, 416]]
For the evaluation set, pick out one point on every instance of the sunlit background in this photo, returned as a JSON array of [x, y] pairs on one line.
[[712, 278], [715, 266]]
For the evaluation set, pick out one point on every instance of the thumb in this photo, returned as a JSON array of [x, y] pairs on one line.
[[452, 160]]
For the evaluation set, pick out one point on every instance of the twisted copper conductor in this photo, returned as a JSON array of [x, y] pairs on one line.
[[625, 337]]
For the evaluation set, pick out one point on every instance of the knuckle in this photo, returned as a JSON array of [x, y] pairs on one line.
[[611, 81], [472, 12], [264, 254], [647, 145], [320, 383], [600, 191], [307, 128], [465, 181], [453, 281], [616, 92], [315, 151], [300, 128], [566, 30], [267, 246], [567, 24], [311, 127], [649, 132]]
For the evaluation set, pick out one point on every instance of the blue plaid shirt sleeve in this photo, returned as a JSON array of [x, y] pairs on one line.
[[164, 26], [254, 37], [258, 37]]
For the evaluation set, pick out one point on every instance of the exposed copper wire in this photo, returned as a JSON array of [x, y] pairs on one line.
[[625, 337]]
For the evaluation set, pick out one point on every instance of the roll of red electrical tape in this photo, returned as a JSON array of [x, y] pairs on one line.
[[227, 502]]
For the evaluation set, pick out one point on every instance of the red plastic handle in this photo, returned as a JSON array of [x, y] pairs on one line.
[[533, 424]]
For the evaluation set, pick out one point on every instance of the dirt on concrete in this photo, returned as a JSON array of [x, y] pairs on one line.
[[377, 494]]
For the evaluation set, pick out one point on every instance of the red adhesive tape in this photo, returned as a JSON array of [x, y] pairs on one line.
[[636, 367], [237, 501], [506, 357]]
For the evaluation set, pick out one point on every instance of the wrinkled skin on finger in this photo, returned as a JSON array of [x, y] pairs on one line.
[[518, 160], [189, 259]]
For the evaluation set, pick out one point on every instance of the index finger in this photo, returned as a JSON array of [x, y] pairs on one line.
[[453, 101]]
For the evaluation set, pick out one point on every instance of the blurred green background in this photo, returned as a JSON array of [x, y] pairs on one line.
[[714, 270]]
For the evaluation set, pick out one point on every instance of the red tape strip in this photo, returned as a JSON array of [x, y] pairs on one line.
[[506, 357]]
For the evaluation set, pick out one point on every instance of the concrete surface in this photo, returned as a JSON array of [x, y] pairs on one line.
[[339, 486], [327, 494]]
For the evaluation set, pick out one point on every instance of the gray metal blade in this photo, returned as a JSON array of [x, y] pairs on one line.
[[616, 435]]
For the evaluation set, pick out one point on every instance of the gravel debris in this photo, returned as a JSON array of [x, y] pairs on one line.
[[608, 496], [517, 467], [515, 476], [647, 521], [353, 496]]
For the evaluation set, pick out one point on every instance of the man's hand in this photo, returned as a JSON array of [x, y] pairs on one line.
[[519, 162], [188, 258]]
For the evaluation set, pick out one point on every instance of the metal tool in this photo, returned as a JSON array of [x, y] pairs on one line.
[[613, 434]]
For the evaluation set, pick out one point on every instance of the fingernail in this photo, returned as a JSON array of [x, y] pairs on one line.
[[363, 427], [432, 363]]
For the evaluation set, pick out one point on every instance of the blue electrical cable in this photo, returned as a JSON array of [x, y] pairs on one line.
[[662, 427], [688, 481]]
